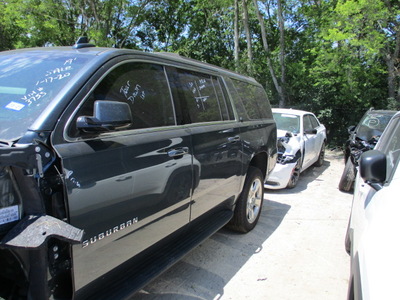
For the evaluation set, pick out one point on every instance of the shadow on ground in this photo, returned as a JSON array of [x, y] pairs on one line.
[[204, 273], [309, 175]]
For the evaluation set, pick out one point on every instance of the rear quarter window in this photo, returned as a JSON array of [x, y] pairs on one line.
[[314, 122], [254, 100], [307, 123]]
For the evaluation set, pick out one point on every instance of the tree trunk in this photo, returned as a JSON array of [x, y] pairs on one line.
[[248, 38], [268, 53], [236, 36], [391, 76], [282, 101], [396, 61], [393, 58], [393, 73]]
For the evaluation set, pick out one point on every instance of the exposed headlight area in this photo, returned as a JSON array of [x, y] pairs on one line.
[[359, 146], [10, 199], [283, 154], [286, 159], [283, 140]]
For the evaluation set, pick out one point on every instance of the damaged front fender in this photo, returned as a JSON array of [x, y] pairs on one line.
[[289, 152], [34, 158], [289, 148]]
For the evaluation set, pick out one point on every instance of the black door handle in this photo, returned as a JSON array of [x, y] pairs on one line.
[[234, 139]]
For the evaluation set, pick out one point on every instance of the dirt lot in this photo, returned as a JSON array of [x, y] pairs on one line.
[[295, 252]]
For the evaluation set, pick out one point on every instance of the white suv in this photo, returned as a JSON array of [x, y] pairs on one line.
[[373, 235]]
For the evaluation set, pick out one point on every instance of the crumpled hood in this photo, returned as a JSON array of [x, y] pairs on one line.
[[282, 133], [291, 144]]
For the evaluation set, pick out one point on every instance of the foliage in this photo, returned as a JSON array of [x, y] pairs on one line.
[[340, 57]]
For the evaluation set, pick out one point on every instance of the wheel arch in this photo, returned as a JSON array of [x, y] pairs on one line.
[[14, 275], [259, 161], [248, 206]]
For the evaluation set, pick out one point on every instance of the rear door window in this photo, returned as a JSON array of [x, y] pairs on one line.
[[226, 107], [198, 96]]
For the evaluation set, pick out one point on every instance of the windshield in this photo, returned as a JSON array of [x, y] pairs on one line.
[[287, 122], [28, 82], [372, 125]]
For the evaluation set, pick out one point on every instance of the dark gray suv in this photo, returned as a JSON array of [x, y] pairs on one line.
[[115, 163]]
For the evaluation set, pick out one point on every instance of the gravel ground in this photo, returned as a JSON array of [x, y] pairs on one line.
[[295, 252]]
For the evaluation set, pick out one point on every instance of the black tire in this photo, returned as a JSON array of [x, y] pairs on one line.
[[249, 204], [321, 156], [347, 180], [295, 175], [13, 282]]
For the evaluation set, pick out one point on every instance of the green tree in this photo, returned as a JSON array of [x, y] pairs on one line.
[[197, 29], [278, 84], [373, 28], [9, 30], [335, 58], [40, 22], [60, 22]]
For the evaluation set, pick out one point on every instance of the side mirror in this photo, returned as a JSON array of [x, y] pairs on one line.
[[373, 168], [351, 129], [107, 115], [311, 131]]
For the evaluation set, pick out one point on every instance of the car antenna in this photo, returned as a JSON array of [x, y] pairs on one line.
[[82, 42]]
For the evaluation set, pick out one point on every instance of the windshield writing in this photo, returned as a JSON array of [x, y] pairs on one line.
[[28, 82]]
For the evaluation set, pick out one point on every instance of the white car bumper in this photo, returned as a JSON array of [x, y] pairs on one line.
[[280, 176]]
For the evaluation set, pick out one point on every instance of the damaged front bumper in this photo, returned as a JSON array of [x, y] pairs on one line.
[[280, 176], [35, 237], [359, 146], [288, 155]]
